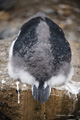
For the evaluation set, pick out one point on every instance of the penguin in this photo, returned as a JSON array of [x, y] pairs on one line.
[[40, 56]]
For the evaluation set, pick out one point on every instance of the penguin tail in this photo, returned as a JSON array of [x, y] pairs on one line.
[[41, 93]]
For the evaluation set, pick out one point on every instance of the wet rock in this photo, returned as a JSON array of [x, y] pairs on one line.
[[6, 4], [8, 32]]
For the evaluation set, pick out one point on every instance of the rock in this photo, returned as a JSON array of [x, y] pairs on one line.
[[48, 11], [4, 15], [60, 12], [71, 35], [67, 12], [64, 6], [78, 115], [6, 4], [68, 21], [64, 12], [78, 28], [59, 106], [8, 32], [55, 1]]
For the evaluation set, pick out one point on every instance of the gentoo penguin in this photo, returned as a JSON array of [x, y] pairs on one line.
[[40, 56]]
